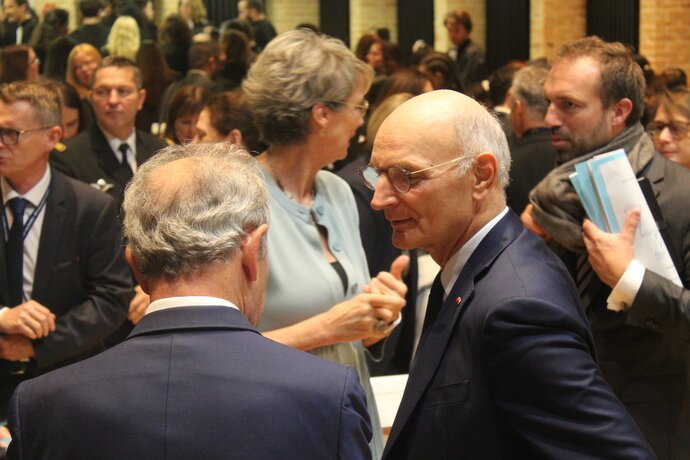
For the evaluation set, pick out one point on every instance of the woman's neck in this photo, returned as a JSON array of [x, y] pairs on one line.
[[292, 169]]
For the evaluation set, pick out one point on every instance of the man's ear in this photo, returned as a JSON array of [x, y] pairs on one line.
[[54, 134], [142, 98], [235, 137], [621, 110], [131, 261], [485, 172], [251, 252]]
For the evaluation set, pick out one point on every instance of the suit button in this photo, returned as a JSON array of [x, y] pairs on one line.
[[651, 323]]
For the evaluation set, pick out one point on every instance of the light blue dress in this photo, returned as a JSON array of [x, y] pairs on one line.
[[302, 283]]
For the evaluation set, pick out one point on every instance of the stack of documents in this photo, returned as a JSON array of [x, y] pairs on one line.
[[608, 189]]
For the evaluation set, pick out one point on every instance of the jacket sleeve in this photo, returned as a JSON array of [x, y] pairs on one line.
[[15, 450], [662, 306], [355, 427], [106, 283], [547, 386]]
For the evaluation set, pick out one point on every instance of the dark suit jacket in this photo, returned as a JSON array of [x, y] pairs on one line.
[[88, 158], [193, 382], [645, 352], [507, 368], [81, 275], [533, 157]]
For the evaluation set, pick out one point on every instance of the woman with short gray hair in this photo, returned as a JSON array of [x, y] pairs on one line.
[[306, 93]]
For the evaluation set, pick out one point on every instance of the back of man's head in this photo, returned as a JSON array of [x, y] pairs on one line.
[[500, 81], [41, 96], [191, 206], [528, 87], [200, 53], [621, 76], [90, 8]]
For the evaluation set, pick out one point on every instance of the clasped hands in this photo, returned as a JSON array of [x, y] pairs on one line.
[[370, 316], [22, 324]]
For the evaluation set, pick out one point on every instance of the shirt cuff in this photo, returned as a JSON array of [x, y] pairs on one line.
[[624, 292]]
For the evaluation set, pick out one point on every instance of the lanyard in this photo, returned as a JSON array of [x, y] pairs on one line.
[[30, 221]]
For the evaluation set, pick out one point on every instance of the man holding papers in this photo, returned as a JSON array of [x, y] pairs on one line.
[[596, 95]]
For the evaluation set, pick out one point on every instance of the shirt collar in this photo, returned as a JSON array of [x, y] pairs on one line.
[[188, 301], [115, 143], [33, 196], [457, 261]]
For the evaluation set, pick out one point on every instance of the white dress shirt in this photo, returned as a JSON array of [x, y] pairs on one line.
[[131, 142], [33, 237], [188, 301]]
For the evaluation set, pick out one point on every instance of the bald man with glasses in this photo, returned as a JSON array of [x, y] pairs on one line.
[[505, 365], [64, 284]]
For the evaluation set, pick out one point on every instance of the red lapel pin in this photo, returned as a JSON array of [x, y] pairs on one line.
[[458, 300]]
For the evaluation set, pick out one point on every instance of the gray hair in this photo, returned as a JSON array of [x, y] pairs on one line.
[[178, 225], [297, 70], [528, 86], [477, 130]]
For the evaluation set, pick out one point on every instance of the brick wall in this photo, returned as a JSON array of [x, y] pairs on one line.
[[554, 22], [664, 33], [371, 14], [286, 14]]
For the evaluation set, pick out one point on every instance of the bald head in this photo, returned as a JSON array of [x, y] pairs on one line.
[[448, 124], [442, 162]]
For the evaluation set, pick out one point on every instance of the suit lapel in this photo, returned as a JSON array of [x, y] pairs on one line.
[[4, 288], [434, 341], [107, 161], [52, 231]]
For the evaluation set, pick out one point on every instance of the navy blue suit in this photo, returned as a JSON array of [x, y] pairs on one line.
[[193, 382], [507, 369]]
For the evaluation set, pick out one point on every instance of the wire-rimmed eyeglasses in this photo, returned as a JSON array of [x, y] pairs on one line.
[[362, 108], [678, 129], [399, 177], [10, 136]]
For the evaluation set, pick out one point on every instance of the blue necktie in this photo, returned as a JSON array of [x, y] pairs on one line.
[[15, 252]]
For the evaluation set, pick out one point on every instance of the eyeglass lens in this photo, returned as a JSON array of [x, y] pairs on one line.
[[9, 136], [678, 130]]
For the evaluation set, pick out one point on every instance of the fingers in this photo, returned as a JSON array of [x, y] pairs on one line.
[[589, 230], [29, 319], [138, 305], [399, 266], [630, 225]]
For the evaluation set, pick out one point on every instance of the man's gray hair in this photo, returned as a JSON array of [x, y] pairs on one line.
[[477, 130], [176, 225], [528, 86]]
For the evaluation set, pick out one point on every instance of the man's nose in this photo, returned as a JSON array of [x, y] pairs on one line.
[[551, 119], [384, 195]]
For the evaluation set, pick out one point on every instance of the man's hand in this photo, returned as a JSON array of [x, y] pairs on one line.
[[611, 253], [30, 319], [138, 305], [15, 347], [390, 282], [528, 221]]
